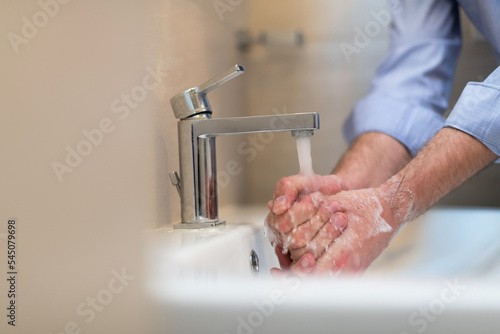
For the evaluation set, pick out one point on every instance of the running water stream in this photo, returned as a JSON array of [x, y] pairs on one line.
[[304, 152]]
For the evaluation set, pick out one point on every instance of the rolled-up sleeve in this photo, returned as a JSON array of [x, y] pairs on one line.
[[477, 111], [410, 92]]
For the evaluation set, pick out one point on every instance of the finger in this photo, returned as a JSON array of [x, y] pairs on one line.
[[339, 257], [277, 273], [324, 238], [303, 234], [299, 213], [330, 184], [304, 266], [286, 192], [306, 232], [282, 203], [283, 258], [289, 188], [270, 205]]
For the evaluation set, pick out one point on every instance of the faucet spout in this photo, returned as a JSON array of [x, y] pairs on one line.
[[272, 123], [198, 158]]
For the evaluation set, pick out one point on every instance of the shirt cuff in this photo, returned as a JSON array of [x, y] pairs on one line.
[[410, 124], [477, 113]]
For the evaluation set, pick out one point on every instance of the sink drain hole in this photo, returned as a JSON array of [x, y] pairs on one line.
[[254, 262]]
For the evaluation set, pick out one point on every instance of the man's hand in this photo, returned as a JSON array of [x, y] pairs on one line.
[[294, 188], [371, 160], [346, 232], [374, 215], [297, 217], [370, 227]]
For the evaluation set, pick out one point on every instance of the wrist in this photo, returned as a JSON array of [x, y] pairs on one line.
[[372, 159], [399, 201]]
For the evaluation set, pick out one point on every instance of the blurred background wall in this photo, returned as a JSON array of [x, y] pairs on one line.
[[71, 68], [318, 77], [314, 77]]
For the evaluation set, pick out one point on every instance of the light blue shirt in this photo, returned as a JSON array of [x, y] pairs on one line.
[[410, 92]]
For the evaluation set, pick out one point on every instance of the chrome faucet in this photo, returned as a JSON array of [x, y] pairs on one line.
[[197, 184]]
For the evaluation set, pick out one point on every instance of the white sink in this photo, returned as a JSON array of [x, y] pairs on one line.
[[440, 275]]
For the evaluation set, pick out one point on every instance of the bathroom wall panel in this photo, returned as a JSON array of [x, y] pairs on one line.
[[80, 69]]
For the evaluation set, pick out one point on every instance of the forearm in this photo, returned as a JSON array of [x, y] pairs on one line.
[[371, 160], [449, 159]]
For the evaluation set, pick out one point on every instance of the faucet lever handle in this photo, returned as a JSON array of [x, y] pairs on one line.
[[194, 100], [220, 79]]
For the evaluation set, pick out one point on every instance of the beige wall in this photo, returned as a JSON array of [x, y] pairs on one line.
[[62, 81], [194, 44]]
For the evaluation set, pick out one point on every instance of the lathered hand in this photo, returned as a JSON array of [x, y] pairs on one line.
[[292, 188], [298, 220], [343, 232], [370, 227]]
